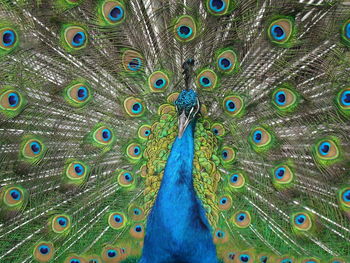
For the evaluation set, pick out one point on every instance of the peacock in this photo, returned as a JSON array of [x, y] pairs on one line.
[[175, 131]]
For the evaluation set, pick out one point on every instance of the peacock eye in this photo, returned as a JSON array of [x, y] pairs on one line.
[[15, 194], [60, 223], [345, 33], [125, 179], [136, 107], [237, 181], [116, 220], [257, 136], [33, 149], [301, 222], [234, 178], [133, 107], [74, 260], [285, 99], [158, 81], [244, 258], [185, 29], [137, 150], [76, 171], [218, 129], [327, 150], [112, 253], [227, 61], [8, 38], [14, 197], [128, 177], [77, 94], [75, 37], [230, 105], [135, 64], [13, 99], [116, 13], [44, 251], [242, 219], [283, 176], [277, 32], [300, 219], [280, 98], [220, 234], [324, 148], [260, 139], [82, 93], [263, 259], [228, 154], [218, 7], [137, 231], [280, 31], [78, 39], [231, 256], [233, 105], [79, 169], [280, 172], [132, 61], [113, 12], [134, 151], [207, 79], [225, 202], [136, 212], [106, 135], [345, 98], [347, 30], [144, 132], [11, 102], [345, 197], [103, 135]]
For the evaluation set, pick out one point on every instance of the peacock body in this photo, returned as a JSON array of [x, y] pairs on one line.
[[174, 131]]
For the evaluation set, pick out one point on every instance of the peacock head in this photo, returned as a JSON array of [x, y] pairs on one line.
[[188, 106]]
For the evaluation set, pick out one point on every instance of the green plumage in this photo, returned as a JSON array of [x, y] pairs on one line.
[[88, 120]]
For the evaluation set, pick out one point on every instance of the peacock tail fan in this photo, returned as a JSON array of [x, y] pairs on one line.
[[88, 119]]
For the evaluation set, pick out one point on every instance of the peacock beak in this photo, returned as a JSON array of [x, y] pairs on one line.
[[183, 123]]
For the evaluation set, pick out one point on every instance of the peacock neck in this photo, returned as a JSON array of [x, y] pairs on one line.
[[177, 227], [177, 204], [178, 170]]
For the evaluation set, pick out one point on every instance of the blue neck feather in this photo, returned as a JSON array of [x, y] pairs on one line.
[[177, 228]]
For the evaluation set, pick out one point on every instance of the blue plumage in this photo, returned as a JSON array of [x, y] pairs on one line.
[[177, 228]]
